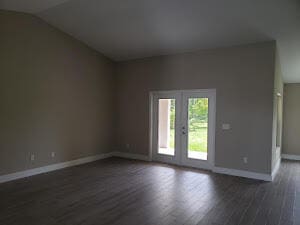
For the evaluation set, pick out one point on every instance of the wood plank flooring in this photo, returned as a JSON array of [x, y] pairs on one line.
[[117, 191]]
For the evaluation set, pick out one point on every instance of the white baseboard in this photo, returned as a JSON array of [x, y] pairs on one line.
[[45, 169], [232, 172], [131, 156], [291, 157], [57, 166], [243, 173]]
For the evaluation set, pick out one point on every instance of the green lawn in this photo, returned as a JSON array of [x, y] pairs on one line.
[[197, 139]]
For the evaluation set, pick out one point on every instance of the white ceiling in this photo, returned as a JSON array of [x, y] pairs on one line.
[[128, 29]]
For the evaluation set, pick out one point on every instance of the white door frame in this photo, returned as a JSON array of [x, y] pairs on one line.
[[211, 93]]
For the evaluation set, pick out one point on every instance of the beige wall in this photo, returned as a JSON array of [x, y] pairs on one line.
[[244, 79], [291, 119], [56, 95]]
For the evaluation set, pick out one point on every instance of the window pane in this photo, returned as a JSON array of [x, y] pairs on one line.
[[166, 126], [197, 128]]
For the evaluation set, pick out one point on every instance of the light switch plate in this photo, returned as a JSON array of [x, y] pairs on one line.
[[226, 126]]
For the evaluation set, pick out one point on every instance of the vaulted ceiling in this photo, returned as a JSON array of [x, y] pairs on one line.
[[129, 29]]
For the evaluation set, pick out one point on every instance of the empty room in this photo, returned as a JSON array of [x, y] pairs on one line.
[[141, 112]]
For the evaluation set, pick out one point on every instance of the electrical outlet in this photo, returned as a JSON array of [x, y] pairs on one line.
[[52, 154], [245, 159], [32, 157]]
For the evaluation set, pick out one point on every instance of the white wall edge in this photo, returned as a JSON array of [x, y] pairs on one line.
[[131, 156], [276, 169], [52, 167], [291, 157], [243, 173]]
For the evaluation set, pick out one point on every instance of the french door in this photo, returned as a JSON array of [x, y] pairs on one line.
[[183, 127]]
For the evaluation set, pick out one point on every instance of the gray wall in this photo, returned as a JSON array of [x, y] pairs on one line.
[[56, 95], [291, 119], [244, 79]]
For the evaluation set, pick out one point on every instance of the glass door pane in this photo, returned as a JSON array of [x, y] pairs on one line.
[[197, 128], [166, 126]]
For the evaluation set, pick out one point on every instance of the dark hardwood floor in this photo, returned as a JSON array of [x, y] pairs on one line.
[[118, 191]]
